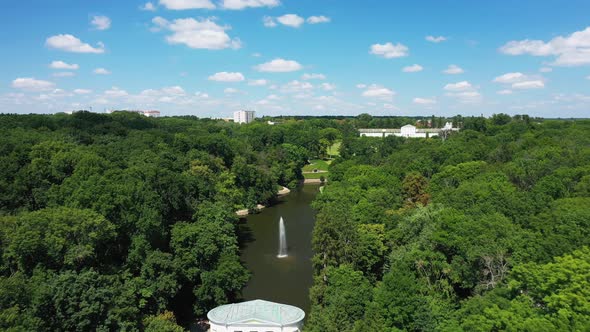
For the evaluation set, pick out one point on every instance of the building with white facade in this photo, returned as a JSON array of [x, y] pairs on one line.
[[256, 316], [244, 116], [408, 131]]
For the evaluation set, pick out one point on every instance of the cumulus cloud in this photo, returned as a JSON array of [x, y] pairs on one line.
[[63, 65], [187, 4], [260, 82], [504, 92], [279, 66], [148, 6], [389, 50], [291, 20], [463, 91], [243, 4], [510, 78], [70, 43], [460, 86], [318, 19], [520, 81], [32, 84], [328, 86], [413, 68], [434, 39], [535, 84], [227, 77], [572, 50], [198, 34], [269, 22], [230, 91], [115, 92], [424, 101], [101, 22], [296, 87], [453, 70], [546, 69], [378, 92], [82, 91], [308, 77], [101, 71]]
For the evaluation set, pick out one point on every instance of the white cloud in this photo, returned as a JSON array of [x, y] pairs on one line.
[[115, 92], [101, 71], [572, 50], [198, 34], [148, 6], [453, 70], [424, 101], [70, 43], [504, 92], [536, 84], [260, 82], [256, 55], [230, 91], [101, 22], [243, 4], [31, 84], [82, 91], [296, 87], [378, 92], [413, 68], [318, 19], [64, 74], [510, 78], [460, 86], [269, 22], [436, 39], [291, 20], [389, 51], [307, 77], [174, 91], [463, 91], [63, 65], [328, 86], [187, 4], [546, 69], [361, 86], [227, 77], [588, 77], [279, 66]]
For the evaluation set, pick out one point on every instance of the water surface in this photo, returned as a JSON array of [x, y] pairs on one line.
[[284, 280]]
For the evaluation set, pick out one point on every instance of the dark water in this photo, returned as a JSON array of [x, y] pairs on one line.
[[285, 280]]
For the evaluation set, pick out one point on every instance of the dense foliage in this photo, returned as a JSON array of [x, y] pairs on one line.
[[122, 222], [487, 230]]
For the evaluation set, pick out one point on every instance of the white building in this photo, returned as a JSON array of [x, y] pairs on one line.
[[256, 316], [408, 131], [244, 116]]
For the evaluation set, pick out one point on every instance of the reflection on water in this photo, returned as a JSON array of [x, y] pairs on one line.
[[284, 280]]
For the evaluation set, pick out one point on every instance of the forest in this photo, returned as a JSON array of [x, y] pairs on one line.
[[119, 222], [487, 230]]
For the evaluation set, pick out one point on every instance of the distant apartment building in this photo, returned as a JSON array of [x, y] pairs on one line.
[[244, 116], [148, 113], [408, 131]]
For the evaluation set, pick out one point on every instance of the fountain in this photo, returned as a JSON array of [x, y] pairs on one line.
[[282, 240]]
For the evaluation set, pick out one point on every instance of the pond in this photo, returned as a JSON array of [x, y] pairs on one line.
[[284, 280]]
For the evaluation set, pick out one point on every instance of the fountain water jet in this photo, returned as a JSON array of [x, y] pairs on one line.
[[282, 240]]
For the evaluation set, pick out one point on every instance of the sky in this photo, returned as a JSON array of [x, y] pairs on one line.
[[209, 58]]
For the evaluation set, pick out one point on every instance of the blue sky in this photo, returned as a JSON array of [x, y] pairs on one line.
[[294, 57]]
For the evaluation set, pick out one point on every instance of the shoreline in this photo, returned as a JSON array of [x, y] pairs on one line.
[[259, 207]]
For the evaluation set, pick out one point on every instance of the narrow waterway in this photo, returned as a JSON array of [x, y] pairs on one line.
[[284, 280]]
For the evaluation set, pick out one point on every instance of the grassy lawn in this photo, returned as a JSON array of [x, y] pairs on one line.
[[334, 150], [320, 165]]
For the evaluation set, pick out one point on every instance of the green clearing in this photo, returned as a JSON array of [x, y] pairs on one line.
[[320, 165], [334, 150]]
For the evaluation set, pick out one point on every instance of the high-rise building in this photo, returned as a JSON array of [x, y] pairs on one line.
[[244, 116]]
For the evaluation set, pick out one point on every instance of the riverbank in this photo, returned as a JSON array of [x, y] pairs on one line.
[[245, 212]]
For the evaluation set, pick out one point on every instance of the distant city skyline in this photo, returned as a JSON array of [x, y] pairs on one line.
[[209, 58]]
